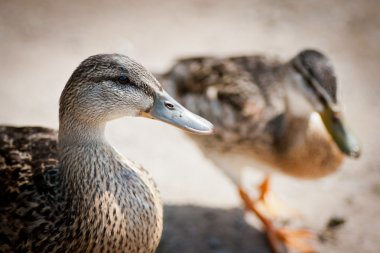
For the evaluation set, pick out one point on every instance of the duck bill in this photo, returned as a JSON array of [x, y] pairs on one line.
[[341, 135], [168, 110]]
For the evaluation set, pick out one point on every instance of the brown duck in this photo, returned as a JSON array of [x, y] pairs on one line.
[[79, 194], [279, 116]]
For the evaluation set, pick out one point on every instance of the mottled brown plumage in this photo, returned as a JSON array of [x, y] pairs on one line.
[[268, 114], [74, 192], [257, 116], [35, 214]]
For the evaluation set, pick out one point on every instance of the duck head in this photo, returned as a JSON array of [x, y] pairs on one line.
[[312, 76], [109, 86]]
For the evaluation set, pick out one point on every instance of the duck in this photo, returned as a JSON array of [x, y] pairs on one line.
[[278, 116], [71, 191]]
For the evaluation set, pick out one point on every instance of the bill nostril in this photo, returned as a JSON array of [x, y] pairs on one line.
[[356, 152], [169, 105]]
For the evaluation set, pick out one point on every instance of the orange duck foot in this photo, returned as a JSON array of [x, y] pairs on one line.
[[280, 240]]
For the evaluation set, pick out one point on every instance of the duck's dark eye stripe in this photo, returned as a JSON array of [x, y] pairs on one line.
[[310, 81], [123, 80]]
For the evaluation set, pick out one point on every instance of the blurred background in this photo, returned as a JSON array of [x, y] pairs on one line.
[[42, 41]]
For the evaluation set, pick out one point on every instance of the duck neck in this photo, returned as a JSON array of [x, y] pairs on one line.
[[80, 147], [295, 126], [74, 132], [103, 191]]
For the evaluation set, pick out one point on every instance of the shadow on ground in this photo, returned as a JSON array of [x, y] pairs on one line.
[[189, 229]]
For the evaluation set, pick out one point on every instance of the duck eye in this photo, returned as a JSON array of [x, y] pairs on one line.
[[123, 80], [169, 105]]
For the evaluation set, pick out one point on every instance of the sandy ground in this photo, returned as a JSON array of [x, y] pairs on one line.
[[41, 42]]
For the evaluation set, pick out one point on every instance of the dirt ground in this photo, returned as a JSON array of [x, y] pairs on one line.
[[42, 41]]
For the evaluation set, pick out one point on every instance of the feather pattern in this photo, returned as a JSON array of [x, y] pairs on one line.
[[72, 191], [100, 214], [247, 99]]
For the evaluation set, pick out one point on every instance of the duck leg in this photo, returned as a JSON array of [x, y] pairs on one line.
[[264, 189], [280, 240], [270, 203]]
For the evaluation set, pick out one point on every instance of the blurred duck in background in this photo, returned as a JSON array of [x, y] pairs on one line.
[[79, 194], [278, 116]]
